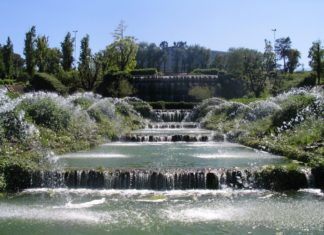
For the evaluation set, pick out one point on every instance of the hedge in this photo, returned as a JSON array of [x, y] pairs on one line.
[[172, 105], [46, 82], [143, 72]]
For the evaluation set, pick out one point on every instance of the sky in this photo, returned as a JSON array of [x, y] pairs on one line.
[[215, 24]]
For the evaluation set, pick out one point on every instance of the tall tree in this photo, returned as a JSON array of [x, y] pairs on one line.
[[53, 60], [316, 54], [179, 54], [122, 52], [282, 48], [2, 66], [89, 66], [293, 60], [8, 56], [164, 47], [41, 53], [29, 51], [258, 68], [67, 52], [219, 61]]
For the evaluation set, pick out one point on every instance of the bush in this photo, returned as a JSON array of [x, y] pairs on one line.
[[46, 82], [83, 102], [282, 178], [143, 72], [143, 108], [47, 113], [211, 71], [290, 108], [172, 105], [308, 81], [200, 93], [7, 81], [115, 85]]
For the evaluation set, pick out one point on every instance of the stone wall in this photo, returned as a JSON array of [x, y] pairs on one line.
[[176, 88]]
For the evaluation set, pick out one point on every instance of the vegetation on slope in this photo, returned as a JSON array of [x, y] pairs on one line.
[[35, 124]]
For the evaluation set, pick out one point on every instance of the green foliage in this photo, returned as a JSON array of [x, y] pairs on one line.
[[67, 52], [316, 54], [282, 178], [143, 72], [29, 51], [41, 53], [290, 107], [143, 108], [89, 66], [83, 102], [47, 113], [122, 52], [8, 57], [7, 81], [172, 105], [116, 85], [44, 81], [211, 71], [70, 79], [201, 93]]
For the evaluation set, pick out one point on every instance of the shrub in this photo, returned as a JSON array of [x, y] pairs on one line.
[[172, 105], [47, 113], [116, 85], [44, 81], [83, 102], [200, 93], [143, 108], [143, 72], [7, 81], [211, 71], [290, 108], [308, 81]]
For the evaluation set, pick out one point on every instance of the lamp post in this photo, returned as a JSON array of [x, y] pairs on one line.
[[274, 36]]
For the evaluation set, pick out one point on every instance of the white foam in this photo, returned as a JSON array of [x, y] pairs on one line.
[[145, 192], [84, 204], [94, 155], [47, 214], [202, 214], [317, 192]]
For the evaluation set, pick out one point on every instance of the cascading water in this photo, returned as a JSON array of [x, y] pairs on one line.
[[170, 178]]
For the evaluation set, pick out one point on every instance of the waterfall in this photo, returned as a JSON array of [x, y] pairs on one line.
[[174, 115], [167, 179]]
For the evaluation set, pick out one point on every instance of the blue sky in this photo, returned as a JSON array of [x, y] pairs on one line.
[[215, 24]]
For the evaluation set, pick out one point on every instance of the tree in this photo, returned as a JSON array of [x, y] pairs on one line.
[[316, 54], [122, 52], [164, 47], [259, 67], [41, 53], [53, 60], [29, 51], [179, 52], [282, 48], [2, 66], [67, 52], [293, 60], [8, 55], [89, 66], [219, 61]]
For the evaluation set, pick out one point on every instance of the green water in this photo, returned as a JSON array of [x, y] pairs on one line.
[[170, 155], [225, 211], [85, 211]]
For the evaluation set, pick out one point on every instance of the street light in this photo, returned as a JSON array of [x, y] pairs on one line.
[[274, 36]]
